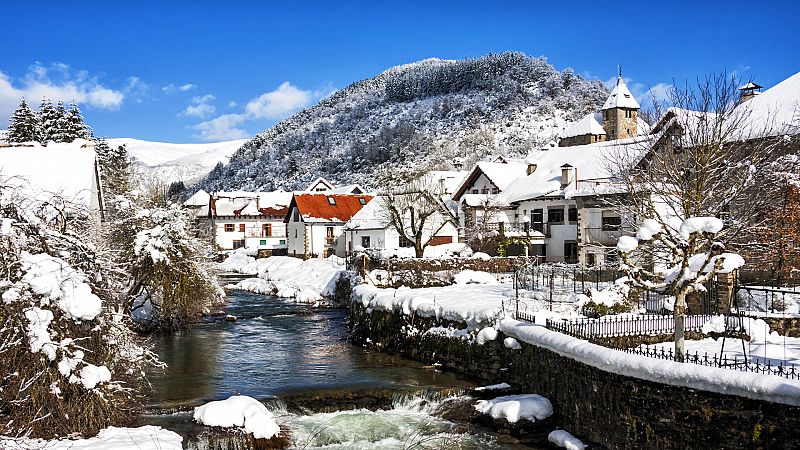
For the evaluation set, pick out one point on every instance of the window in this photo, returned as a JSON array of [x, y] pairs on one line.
[[238, 243], [537, 219], [329, 232], [365, 241], [262, 242], [362, 201], [484, 191], [295, 215], [555, 215], [282, 242], [611, 223], [591, 260], [295, 233], [229, 227], [570, 251], [572, 214], [266, 229], [628, 114], [331, 200], [404, 242], [241, 228]]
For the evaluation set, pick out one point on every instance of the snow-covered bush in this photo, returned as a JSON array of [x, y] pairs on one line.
[[168, 272], [68, 363]]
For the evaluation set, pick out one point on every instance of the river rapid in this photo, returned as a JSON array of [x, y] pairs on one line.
[[327, 392]]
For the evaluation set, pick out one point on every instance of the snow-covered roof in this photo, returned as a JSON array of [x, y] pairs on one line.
[[501, 174], [244, 203], [347, 189], [315, 185], [449, 179], [587, 125], [200, 198], [620, 97], [67, 170], [590, 161], [750, 85], [774, 112], [373, 216]]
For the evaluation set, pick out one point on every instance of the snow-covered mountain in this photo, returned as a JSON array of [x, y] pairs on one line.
[[433, 114], [177, 162]]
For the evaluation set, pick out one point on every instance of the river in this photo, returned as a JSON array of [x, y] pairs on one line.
[[297, 360]]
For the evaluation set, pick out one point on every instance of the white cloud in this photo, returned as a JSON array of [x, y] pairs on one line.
[[173, 88], [280, 103], [57, 82], [275, 105], [200, 107], [222, 128]]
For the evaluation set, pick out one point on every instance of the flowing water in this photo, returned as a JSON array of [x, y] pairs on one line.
[[329, 393]]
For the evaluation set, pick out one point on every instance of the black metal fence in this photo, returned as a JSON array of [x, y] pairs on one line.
[[618, 326], [743, 364]]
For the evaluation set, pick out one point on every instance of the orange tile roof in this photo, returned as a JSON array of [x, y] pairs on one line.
[[317, 207]]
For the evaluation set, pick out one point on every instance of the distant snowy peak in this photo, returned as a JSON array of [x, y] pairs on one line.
[[152, 153], [177, 162]]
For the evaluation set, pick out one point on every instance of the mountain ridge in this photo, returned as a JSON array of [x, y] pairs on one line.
[[429, 114]]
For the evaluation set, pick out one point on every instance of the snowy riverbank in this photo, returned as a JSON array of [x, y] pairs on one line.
[[305, 281]]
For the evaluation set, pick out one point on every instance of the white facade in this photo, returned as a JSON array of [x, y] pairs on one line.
[[253, 232], [314, 239], [557, 219]]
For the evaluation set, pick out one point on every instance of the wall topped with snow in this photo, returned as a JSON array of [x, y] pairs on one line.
[[663, 408]]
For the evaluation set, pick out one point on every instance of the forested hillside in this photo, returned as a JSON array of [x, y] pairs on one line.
[[431, 114]]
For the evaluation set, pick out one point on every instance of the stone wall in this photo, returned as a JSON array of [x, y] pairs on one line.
[[785, 326], [613, 410]]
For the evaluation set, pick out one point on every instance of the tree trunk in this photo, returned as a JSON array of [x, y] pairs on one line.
[[680, 315]]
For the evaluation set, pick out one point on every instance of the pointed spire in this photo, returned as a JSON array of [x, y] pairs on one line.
[[619, 68]]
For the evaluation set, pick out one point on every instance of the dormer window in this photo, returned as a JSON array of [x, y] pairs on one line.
[[362, 201], [331, 200]]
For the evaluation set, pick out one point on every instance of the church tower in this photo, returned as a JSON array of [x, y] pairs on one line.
[[620, 112]]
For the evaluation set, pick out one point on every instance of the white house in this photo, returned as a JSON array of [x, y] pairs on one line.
[[371, 227], [323, 185], [248, 219], [66, 171], [315, 223]]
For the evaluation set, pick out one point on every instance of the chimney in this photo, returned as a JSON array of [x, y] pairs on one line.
[[566, 175], [748, 91], [532, 162]]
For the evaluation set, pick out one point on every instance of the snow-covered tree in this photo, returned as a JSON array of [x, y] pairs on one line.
[[68, 362], [693, 188], [61, 130], [115, 168], [23, 125], [48, 120], [169, 277], [75, 126]]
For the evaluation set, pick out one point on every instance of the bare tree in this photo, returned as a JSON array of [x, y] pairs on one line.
[[481, 228], [692, 185], [416, 210]]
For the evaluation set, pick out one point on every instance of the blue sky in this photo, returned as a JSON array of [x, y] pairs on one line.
[[202, 70]]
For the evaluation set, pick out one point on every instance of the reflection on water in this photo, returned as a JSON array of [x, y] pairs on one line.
[[274, 347]]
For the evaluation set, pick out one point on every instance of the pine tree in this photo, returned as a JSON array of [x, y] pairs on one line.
[[23, 125], [76, 128], [48, 117], [115, 168], [61, 131]]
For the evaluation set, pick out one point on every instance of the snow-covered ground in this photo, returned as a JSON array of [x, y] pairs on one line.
[[112, 438], [308, 281], [174, 162], [472, 303]]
